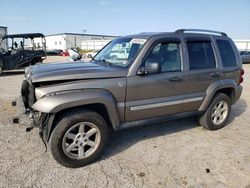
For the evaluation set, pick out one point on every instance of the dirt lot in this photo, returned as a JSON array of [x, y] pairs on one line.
[[176, 154]]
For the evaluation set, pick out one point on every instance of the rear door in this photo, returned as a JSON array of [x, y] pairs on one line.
[[203, 69]]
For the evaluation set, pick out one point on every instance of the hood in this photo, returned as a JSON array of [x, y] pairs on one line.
[[71, 71]]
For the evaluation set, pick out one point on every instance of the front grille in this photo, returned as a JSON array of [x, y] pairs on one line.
[[28, 94]]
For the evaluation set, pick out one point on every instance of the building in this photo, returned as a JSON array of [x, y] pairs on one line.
[[3, 31], [64, 41], [242, 45], [93, 44]]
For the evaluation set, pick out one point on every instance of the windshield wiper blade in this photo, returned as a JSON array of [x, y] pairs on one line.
[[105, 62]]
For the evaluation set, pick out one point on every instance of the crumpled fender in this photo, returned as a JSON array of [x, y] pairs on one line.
[[68, 99]]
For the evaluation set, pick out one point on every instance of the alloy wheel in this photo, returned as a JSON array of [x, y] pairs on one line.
[[81, 140], [219, 112]]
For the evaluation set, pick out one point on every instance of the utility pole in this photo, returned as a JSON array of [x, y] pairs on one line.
[[84, 30]]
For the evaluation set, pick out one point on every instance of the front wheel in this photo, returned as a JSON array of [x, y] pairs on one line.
[[78, 138], [217, 113]]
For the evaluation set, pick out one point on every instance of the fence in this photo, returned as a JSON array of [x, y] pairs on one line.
[[242, 45]]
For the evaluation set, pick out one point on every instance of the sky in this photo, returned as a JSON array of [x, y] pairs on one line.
[[114, 17]]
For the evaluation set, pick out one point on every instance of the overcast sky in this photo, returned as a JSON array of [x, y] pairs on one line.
[[125, 17]]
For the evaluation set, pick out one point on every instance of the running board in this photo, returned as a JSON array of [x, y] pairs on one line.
[[160, 119]]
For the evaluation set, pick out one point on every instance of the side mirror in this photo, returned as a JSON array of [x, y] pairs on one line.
[[150, 68]]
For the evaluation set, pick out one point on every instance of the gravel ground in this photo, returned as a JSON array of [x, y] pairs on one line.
[[175, 154]]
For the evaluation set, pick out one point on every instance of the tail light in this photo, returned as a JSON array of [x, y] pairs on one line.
[[241, 75]]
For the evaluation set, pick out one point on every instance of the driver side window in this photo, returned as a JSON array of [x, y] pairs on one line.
[[168, 55]]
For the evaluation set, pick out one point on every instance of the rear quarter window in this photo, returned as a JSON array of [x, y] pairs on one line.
[[227, 53]]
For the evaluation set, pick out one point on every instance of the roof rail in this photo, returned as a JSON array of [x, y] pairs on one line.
[[200, 30]]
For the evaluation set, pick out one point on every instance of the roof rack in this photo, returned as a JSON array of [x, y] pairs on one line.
[[200, 30]]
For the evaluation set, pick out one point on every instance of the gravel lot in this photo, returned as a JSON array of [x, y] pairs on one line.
[[175, 154]]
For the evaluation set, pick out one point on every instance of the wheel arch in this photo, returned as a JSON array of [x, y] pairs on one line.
[[227, 87], [99, 101]]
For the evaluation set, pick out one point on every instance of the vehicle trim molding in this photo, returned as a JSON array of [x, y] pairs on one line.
[[168, 103]]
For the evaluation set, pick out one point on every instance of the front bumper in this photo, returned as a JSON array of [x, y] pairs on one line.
[[28, 117], [31, 118], [28, 94]]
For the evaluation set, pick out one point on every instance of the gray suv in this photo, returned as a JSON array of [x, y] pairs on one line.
[[160, 76]]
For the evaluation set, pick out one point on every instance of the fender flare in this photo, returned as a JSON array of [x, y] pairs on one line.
[[64, 100], [214, 87]]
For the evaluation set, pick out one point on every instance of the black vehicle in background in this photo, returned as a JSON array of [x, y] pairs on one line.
[[20, 50]]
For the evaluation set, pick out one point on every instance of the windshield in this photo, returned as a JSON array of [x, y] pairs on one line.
[[121, 51]]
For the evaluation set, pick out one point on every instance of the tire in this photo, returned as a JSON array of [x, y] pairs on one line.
[[1, 66], [71, 135], [35, 61], [217, 113], [89, 56]]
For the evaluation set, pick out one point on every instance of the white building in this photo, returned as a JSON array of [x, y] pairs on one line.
[[64, 41], [93, 44]]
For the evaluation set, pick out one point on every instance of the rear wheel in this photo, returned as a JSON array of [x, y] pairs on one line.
[[1, 66], [78, 138], [217, 113]]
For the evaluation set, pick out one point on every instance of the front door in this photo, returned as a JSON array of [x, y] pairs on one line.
[[159, 94]]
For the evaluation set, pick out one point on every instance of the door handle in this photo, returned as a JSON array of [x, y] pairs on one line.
[[175, 78], [214, 74]]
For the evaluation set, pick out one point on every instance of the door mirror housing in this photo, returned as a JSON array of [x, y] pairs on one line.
[[150, 68]]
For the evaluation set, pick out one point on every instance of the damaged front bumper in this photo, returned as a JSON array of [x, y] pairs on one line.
[[32, 119]]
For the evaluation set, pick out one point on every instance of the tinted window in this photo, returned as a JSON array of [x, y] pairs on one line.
[[201, 55], [227, 53], [168, 55]]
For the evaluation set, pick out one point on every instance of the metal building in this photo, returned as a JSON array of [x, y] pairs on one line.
[[64, 41], [93, 44]]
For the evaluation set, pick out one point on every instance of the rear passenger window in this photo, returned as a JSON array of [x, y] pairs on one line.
[[227, 53], [201, 55]]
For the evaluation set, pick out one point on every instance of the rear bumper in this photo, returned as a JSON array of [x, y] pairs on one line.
[[238, 93]]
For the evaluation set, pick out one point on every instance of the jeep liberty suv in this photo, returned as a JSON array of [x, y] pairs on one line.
[[162, 76]]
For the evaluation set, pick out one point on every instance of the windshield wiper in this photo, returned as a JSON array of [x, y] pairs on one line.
[[105, 62]]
